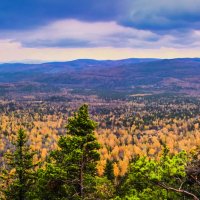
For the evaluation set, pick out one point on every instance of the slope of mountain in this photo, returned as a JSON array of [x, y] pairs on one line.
[[129, 76]]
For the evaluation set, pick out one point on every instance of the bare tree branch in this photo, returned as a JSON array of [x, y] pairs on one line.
[[178, 190]]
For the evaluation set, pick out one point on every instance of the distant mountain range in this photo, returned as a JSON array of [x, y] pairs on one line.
[[85, 76]]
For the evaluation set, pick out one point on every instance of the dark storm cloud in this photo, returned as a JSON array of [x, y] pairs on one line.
[[153, 15], [163, 15], [23, 14]]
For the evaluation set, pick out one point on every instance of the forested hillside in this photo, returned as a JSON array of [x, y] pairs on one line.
[[153, 159], [120, 78]]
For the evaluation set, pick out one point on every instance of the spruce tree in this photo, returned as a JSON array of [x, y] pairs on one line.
[[19, 174], [71, 172], [109, 172]]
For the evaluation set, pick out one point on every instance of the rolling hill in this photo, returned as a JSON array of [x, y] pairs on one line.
[[85, 76]]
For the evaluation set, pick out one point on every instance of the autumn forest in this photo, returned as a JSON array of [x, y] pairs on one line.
[[143, 147]]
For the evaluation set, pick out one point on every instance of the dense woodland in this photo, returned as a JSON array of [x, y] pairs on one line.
[[144, 147]]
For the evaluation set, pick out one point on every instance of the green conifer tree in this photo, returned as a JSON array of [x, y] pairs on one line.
[[70, 174], [19, 173], [109, 173]]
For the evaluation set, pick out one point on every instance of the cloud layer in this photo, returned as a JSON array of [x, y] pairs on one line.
[[148, 25], [72, 33]]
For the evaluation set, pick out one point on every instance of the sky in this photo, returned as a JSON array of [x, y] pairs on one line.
[[61, 30]]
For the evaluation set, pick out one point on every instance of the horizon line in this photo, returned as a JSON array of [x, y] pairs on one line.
[[71, 60]]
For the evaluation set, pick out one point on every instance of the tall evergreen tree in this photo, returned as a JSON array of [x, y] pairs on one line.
[[71, 172], [109, 171], [19, 173]]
